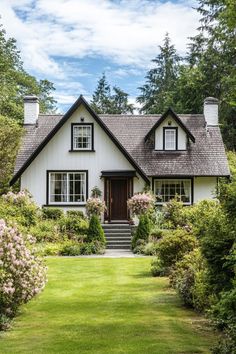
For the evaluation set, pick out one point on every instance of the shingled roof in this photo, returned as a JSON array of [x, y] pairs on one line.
[[205, 157]]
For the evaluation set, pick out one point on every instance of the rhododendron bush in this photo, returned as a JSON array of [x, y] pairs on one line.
[[95, 206], [22, 272], [140, 203]]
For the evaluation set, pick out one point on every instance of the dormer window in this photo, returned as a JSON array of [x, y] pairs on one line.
[[82, 137], [170, 139]]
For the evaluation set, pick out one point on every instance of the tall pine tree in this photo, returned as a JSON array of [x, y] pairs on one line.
[[157, 93], [105, 102]]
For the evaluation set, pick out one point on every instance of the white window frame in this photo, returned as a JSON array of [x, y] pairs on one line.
[[67, 202], [170, 181], [76, 135], [174, 142]]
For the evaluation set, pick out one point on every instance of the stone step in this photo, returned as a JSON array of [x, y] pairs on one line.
[[113, 231], [118, 234], [118, 239], [118, 247], [116, 226]]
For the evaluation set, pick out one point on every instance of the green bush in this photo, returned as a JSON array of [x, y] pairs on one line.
[[75, 214], [71, 250], [157, 268], [73, 226], [174, 245], [95, 230], [47, 231], [49, 249], [188, 278], [143, 230], [223, 313], [174, 214], [52, 213], [227, 342]]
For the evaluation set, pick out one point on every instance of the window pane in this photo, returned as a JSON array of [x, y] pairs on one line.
[[167, 189], [67, 187], [82, 137], [170, 139]]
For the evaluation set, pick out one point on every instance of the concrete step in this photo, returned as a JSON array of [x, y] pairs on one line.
[[118, 241], [116, 226], [119, 247], [118, 234], [111, 238], [114, 231]]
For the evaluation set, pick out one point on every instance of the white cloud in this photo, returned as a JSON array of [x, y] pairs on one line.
[[126, 33]]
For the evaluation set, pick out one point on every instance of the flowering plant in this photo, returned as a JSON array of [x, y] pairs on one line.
[[95, 206], [22, 273], [21, 198], [140, 203]]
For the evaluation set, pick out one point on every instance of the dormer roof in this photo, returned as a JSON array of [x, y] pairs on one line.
[[170, 113]]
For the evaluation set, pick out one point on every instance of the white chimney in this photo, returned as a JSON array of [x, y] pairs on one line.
[[31, 109], [211, 111]]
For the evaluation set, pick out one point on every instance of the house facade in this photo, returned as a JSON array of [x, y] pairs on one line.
[[63, 157]]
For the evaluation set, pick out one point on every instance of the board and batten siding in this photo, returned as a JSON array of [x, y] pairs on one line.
[[56, 156], [204, 188], [182, 139]]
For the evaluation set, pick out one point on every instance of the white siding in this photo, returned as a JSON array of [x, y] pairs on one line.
[[204, 188], [56, 156], [182, 139]]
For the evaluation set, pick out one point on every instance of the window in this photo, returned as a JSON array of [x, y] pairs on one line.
[[167, 189], [82, 137], [67, 187], [170, 139]]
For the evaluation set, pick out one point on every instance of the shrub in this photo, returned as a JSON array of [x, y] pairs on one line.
[[49, 248], [46, 231], [223, 313], [141, 203], [143, 230], [157, 268], [22, 273], [96, 192], [73, 226], [19, 208], [174, 245], [95, 230], [227, 342], [75, 214], [52, 213], [71, 250], [188, 277], [95, 206], [174, 214]]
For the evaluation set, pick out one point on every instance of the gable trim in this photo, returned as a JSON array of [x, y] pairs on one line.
[[64, 119], [178, 121]]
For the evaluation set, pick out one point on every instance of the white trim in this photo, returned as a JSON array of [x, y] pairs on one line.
[[171, 142], [76, 136]]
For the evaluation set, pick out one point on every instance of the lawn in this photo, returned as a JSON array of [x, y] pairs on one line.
[[106, 306]]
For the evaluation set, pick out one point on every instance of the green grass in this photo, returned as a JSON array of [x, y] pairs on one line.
[[106, 306]]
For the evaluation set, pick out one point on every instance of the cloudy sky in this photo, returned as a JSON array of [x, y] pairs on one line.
[[71, 42]]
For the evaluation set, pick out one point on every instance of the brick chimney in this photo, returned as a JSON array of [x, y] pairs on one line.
[[31, 109], [211, 111]]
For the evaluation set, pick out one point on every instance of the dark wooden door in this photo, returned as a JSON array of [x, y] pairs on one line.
[[118, 199]]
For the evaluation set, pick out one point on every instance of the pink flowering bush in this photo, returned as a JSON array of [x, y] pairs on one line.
[[141, 203], [22, 273], [95, 206]]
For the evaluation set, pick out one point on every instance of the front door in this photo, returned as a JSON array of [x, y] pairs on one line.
[[119, 199]]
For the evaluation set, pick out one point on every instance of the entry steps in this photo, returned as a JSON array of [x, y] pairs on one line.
[[118, 236]]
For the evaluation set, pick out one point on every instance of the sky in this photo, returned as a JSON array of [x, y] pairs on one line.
[[72, 42]]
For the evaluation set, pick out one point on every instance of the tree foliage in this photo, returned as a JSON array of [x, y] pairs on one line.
[[10, 134], [16, 82], [106, 102]]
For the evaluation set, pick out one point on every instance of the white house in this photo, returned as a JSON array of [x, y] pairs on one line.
[[63, 157]]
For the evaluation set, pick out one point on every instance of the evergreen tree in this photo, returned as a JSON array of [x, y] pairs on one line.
[[157, 93], [120, 104], [101, 101], [104, 102]]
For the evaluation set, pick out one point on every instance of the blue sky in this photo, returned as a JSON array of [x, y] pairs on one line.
[[71, 42]]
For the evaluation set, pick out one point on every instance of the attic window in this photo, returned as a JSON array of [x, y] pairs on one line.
[[170, 139], [82, 137]]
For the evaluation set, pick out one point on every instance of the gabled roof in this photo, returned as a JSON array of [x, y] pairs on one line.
[[171, 113], [204, 158], [60, 123]]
